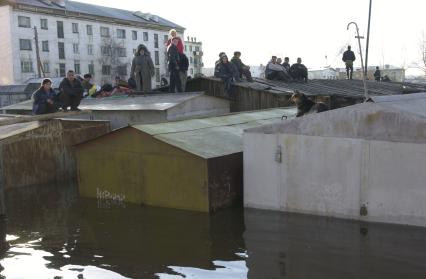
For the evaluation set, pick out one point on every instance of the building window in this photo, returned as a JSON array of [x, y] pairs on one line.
[[91, 68], [25, 44], [61, 69], [157, 75], [77, 67], [61, 50], [121, 33], [166, 38], [89, 30], [24, 21], [145, 36], [106, 50], [190, 60], [186, 48], [46, 67], [106, 70], [197, 48], [75, 27], [134, 50], [122, 70], [134, 35], [75, 48], [156, 40], [104, 32], [45, 46], [121, 52], [192, 71], [43, 23], [157, 57], [60, 27], [27, 67], [89, 49], [190, 48]]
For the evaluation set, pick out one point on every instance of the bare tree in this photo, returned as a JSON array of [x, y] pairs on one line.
[[114, 59], [422, 45]]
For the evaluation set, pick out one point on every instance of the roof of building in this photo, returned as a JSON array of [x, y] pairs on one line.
[[124, 103], [396, 121], [102, 11], [213, 136], [326, 87], [15, 129], [7, 89]]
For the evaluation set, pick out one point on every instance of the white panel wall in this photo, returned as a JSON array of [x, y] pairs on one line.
[[6, 70], [336, 177]]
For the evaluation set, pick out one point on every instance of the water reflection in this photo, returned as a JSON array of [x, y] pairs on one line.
[[53, 233]]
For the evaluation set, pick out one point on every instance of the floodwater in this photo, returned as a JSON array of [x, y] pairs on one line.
[[54, 234]]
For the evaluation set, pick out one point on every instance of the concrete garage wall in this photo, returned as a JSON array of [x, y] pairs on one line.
[[339, 177]]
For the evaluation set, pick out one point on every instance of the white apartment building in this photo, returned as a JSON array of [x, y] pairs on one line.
[[77, 36], [194, 52]]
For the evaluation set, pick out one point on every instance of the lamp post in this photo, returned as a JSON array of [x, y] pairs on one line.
[[366, 96], [368, 38]]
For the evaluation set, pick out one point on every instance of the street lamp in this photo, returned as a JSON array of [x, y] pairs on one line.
[[366, 96]]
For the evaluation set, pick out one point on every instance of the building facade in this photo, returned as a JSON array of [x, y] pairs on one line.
[[194, 52], [77, 36]]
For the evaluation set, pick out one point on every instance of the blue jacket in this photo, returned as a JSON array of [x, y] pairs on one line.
[[40, 98], [225, 71]]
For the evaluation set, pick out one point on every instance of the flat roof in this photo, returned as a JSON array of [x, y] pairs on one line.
[[213, 136], [155, 101]]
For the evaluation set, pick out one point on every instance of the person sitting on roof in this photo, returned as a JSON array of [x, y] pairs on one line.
[[45, 98], [275, 71], [71, 92], [121, 87], [286, 64], [89, 88], [241, 67], [227, 72], [298, 71]]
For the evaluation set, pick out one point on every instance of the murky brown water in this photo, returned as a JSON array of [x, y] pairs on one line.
[[52, 233]]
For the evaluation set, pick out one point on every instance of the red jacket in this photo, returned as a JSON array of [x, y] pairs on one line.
[[179, 45]]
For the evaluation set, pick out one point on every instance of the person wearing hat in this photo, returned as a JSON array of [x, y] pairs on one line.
[[241, 67], [173, 34], [142, 69]]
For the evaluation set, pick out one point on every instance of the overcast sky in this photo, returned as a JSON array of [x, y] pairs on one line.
[[310, 29]]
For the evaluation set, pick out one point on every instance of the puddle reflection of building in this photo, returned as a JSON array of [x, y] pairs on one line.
[[283, 245]]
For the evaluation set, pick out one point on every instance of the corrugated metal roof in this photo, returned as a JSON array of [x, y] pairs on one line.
[[97, 10], [123, 103], [214, 136]]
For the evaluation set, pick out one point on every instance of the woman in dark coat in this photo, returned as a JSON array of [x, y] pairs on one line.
[[45, 99], [142, 69]]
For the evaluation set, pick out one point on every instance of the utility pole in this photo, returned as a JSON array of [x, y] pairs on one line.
[[368, 38], [366, 96], [39, 67]]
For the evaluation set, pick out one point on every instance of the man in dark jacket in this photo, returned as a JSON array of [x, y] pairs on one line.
[[183, 70], [226, 71], [349, 58], [241, 67], [173, 64], [377, 74], [71, 92], [298, 71]]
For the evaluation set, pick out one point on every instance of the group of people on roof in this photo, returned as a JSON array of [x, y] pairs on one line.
[[278, 70]]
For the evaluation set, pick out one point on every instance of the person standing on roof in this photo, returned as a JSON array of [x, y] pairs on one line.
[[227, 72], [377, 74], [349, 58], [142, 69], [173, 66], [173, 35]]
